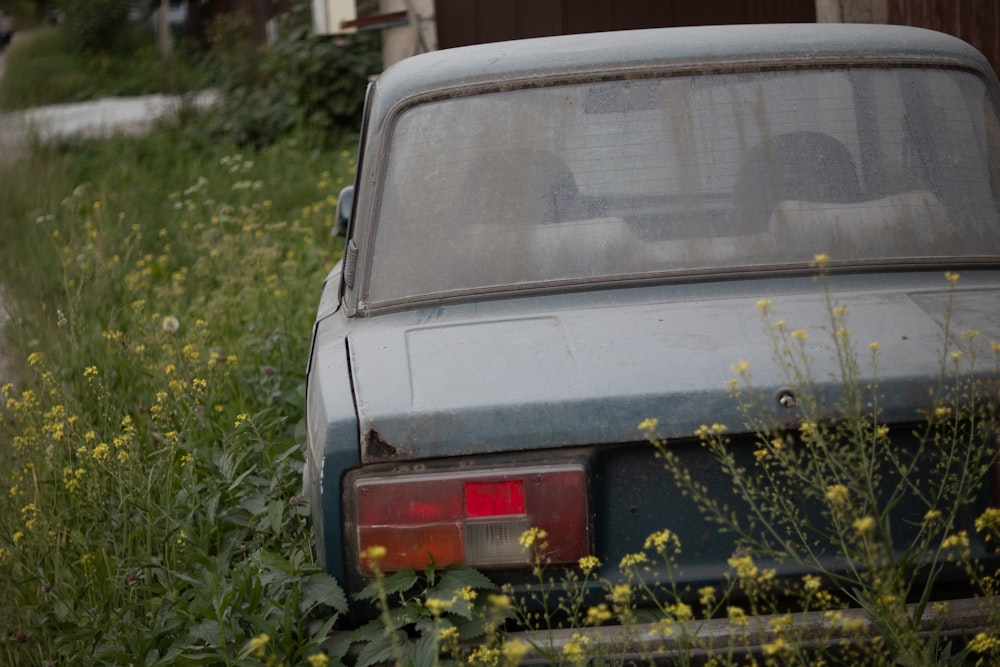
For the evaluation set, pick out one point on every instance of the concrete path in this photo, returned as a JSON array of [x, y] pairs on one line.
[[98, 118]]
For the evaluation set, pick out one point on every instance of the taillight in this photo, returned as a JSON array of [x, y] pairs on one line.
[[474, 517]]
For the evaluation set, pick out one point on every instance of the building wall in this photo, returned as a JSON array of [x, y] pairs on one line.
[[448, 23], [975, 21], [461, 22], [418, 35]]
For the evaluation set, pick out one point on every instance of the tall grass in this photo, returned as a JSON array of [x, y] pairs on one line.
[[43, 67], [161, 294]]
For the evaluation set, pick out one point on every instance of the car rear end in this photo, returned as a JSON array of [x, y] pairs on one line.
[[540, 264]]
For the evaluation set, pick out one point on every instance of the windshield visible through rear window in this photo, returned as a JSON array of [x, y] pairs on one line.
[[605, 181]]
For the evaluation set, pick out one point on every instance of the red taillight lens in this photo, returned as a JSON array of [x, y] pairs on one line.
[[494, 498], [473, 517]]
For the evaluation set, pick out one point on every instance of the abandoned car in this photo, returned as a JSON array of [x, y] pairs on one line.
[[550, 241]]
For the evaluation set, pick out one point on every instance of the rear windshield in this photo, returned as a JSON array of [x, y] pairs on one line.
[[614, 180]]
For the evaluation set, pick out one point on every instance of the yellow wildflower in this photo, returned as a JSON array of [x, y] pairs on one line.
[[681, 611], [599, 614], [837, 494], [514, 650], [374, 553], [499, 601], [257, 645], [484, 655], [621, 594], [574, 650], [632, 560], [736, 615], [744, 566], [648, 425], [531, 537], [707, 596], [989, 521], [589, 563], [958, 540], [810, 583], [437, 606], [864, 525], [319, 660], [984, 643], [662, 540], [775, 647]]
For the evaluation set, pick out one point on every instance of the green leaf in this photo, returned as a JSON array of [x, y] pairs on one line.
[[425, 652], [275, 512], [380, 650], [458, 576], [321, 588], [396, 583], [369, 632]]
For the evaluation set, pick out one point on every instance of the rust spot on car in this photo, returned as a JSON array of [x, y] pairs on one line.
[[377, 448]]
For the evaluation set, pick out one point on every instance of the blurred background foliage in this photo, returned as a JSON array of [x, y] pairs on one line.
[[300, 82]]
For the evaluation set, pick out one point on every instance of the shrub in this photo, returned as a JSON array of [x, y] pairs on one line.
[[95, 25], [313, 85]]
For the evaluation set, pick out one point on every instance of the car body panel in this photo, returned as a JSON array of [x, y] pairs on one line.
[[463, 380]]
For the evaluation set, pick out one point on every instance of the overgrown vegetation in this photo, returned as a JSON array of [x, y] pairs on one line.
[[306, 84], [95, 25], [301, 83], [151, 508], [161, 300], [160, 310]]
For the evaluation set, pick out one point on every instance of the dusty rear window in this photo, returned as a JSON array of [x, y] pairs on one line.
[[611, 180]]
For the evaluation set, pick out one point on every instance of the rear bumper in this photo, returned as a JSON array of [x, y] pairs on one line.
[[655, 642]]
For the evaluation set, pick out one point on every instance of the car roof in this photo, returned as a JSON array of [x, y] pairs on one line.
[[640, 52]]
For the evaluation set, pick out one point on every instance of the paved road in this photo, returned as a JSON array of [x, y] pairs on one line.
[[104, 117]]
